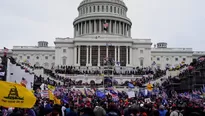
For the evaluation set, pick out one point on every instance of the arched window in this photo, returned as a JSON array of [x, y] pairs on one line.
[[64, 60], [46, 65], [176, 59], [37, 64], [141, 62]]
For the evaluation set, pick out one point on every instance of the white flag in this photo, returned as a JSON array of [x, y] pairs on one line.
[[2, 73]]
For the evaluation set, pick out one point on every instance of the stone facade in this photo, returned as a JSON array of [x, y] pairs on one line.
[[92, 43]]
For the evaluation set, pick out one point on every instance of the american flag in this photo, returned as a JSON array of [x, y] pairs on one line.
[[24, 83], [115, 97], [105, 25], [44, 93]]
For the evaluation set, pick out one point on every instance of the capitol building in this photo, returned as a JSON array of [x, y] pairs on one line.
[[102, 30]]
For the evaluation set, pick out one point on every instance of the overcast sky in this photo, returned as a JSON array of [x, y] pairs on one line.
[[180, 23]]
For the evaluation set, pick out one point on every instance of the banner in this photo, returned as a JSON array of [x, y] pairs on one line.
[[15, 95]]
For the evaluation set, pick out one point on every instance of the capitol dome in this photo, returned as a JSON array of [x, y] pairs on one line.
[[94, 14]]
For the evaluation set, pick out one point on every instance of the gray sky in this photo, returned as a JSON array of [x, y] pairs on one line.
[[180, 23]]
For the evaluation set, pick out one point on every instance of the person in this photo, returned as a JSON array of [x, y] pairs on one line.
[[99, 111], [175, 112], [72, 112], [162, 111]]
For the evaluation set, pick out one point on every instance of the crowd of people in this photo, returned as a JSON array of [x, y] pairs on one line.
[[110, 102]]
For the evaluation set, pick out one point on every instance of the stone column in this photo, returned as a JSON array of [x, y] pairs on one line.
[[106, 51], [120, 28], [118, 53], [100, 26], [131, 56], [86, 55], [78, 29], [78, 55], [109, 27], [81, 27], [115, 54], [95, 26], [115, 27], [98, 55], [126, 55], [123, 28], [85, 27], [74, 30], [90, 27], [75, 56], [90, 55]]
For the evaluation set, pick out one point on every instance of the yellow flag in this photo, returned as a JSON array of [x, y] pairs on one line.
[[52, 97], [149, 87], [50, 87], [15, 95]]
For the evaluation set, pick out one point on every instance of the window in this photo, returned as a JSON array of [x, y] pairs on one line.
[[141, 51], [114, 9], [151, 58], [64, 50], [158, 59], [53, 57], [176, 59], [110, 8], [167, 59], [90, 9], [37, 57], [20, 57], [93, 8], [98, 8], [184, 59], [86, 9], [46, 57], [28, 57], [141, 62], [64, 60], [102, 8], [106, 8], [118, 11]]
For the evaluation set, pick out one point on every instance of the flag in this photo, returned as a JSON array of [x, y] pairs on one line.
[[23, 82], [2, 73], [5, 50], [44, 93], [105, 26], [100, 94], [15, 95], [52, 97], [149, 87], [50, 87], [130, 85]]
